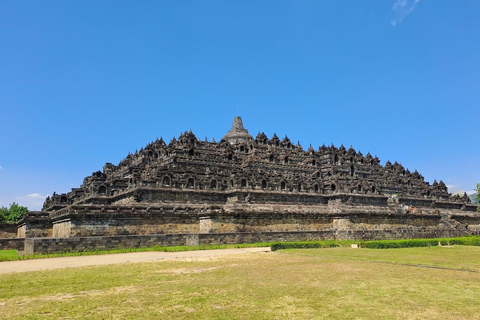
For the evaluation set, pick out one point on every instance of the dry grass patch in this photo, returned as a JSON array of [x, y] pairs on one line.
[[455, 257], [322, 285]]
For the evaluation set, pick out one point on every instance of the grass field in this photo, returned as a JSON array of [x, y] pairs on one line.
[[335, 283], [6, 255]]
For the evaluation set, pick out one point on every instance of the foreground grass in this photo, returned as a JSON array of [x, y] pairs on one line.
[[7, 255], [456, 257], [12, 255], [335, 283]]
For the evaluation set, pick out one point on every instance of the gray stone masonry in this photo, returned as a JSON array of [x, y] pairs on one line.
[[244, 189]]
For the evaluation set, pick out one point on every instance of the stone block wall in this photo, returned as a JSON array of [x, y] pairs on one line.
[[35, 224], [379, 221], [469, 220], [12, 244], [49, 245], [252, 237], [240, 217], [269, 222], [399, 233], [21, 231], [110, 224], [8, 230]]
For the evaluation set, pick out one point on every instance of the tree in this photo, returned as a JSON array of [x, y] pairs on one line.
[[477, 197], [3, 214], [12, 214]]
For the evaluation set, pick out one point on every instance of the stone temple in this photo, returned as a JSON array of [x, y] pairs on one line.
[[245, 189]]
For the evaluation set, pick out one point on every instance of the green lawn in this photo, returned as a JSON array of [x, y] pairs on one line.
[[6, 255], [457, 257], [336, 283]]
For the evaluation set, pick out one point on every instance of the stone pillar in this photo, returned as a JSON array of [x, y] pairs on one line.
[[192, 240], [205, 225], [343, 228], [35, 224]]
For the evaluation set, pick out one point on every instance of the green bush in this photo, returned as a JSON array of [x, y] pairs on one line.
[[466, 241], [380, 244], [388, 244], [310, 244]]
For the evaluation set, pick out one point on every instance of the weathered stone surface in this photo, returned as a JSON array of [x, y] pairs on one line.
[[238, 134], [240, 188], [49, 245], [281, 170], [8, 230], [12, 244], [35, 224]]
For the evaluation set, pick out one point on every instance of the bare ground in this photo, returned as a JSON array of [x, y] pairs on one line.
[[106, 259]]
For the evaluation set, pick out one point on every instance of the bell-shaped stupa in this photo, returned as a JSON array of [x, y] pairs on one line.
[[238, 133]]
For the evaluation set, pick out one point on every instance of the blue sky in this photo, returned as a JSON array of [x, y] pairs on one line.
[[85, 82]]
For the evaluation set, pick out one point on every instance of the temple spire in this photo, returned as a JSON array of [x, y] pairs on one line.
[[237, 133]]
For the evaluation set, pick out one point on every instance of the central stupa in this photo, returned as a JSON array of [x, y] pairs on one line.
[[237, 134]]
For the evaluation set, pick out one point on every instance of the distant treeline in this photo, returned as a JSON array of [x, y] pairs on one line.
[[12, 214]]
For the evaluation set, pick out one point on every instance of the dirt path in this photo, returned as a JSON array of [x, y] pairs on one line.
[[82, 261]]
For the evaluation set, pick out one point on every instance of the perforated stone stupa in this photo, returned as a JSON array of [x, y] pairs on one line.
[[252, 189]]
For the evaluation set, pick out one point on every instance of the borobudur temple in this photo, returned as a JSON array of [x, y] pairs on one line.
[[244, 189]]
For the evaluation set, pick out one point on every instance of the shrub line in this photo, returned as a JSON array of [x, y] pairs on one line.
[[379, 244]]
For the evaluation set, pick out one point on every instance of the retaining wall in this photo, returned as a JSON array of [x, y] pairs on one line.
[[12, 244], [8, 230], [50, 245]]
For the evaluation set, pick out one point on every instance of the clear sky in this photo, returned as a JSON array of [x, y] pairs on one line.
[[85, 82]]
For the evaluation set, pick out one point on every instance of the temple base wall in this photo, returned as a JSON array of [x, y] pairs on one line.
[[8, 230], [35, 224], [238, 220], [50, 245], [120, 224], [12, 244], [103, 227]]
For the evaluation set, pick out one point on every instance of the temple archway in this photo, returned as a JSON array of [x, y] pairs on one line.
[[243, 183], [166, 181], [102, 190]]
